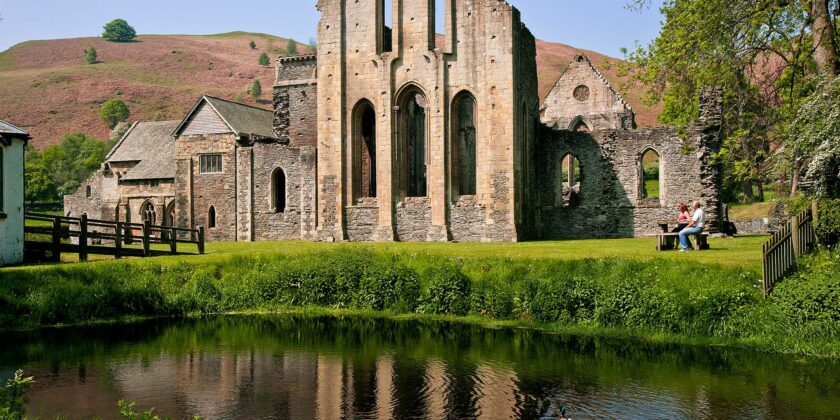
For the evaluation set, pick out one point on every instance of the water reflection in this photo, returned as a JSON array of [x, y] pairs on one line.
[[330, 368]]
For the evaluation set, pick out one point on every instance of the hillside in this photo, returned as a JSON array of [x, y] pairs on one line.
[[47, 88]]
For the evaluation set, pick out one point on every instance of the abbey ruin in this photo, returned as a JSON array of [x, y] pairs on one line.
[[387, 135]]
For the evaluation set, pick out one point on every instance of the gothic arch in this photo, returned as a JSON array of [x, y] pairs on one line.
[[463, 165], [279, 190], [363, 151], [148, 213], [651, 170], [211, 217], [580, 123], [411, 156]]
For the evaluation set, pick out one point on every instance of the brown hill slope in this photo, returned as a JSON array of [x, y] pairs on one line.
[[46, 88]]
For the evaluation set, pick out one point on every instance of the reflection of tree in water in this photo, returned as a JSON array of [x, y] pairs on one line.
[[298, 367]]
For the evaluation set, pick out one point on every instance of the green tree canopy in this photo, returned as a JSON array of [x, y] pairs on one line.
[[114, 111], [61, 169], [252, 44], [118, 30], [256, 89], [264, 61], [291, 47]]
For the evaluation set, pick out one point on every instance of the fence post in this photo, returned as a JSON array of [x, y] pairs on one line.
[[83, 238], [794, 236], [815, 217], [201, 239], [173, 241], [118, 240], [146, 244], [56, 240]]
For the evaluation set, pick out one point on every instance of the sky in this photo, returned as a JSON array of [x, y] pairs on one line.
[[603, 26]]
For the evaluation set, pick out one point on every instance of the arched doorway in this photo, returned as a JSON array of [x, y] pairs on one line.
[[363, 149]]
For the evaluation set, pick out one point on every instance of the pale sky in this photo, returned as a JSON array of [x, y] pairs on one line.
[[599, 25]]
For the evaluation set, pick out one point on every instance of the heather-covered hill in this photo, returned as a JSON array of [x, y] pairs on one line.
[[46, 87]]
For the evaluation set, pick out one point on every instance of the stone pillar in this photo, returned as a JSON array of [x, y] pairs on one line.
[[709, 126], [438, 156], [245, 198]]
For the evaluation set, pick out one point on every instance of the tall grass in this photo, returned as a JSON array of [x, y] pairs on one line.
[[657, 298]]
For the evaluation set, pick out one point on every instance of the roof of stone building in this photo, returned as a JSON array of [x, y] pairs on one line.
[[10, 130], [243, 120], [152, 146]]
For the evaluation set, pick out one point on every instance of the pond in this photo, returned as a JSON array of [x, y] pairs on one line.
[[302, 367]]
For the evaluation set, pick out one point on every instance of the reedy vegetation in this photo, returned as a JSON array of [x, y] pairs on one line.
[[656, 299]]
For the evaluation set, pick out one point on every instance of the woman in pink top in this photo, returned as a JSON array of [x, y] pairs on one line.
[[684, 219]]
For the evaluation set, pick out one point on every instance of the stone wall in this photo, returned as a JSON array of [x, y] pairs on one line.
[[610, 202], [295, 101], [197, 192], [583, 95]]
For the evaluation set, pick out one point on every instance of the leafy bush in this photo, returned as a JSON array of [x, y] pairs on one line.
[[263, 60], [90, 55], [114, 111], [447, 290], [813, 293]]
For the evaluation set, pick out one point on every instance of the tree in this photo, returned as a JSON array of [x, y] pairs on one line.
[[264, 59], [291, 47], [67, 165], [256, 90], [815, 136], [253, 45], [90, 55], [118, 30], [313, 43], [39, 186], [114, 111]]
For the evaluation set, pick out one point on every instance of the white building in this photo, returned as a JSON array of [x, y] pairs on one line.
[[12, 144]]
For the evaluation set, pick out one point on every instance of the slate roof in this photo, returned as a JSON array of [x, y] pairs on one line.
[[9, 130], [243, 120], [152, 146]]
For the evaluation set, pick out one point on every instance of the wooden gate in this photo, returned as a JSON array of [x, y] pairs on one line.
[[795, 238]]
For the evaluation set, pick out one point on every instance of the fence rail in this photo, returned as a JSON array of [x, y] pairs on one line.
[[87, 237], [795, 238]]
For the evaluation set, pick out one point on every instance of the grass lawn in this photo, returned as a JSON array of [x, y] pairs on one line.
[[750, 211], [740, 251]]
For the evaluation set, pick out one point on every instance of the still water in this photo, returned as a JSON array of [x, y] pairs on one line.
[[282, 367]]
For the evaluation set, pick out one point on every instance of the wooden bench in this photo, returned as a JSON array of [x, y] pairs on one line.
[[668, 241]]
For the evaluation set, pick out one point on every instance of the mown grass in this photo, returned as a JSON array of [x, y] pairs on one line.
[[750, 211], [659, 298], [741, 251]]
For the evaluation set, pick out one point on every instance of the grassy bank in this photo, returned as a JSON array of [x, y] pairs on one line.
[[661, 299]]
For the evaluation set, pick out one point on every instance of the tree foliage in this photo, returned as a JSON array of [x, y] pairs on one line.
[[118, 30], [292, 47], [252, 44], [114, 111], [762, 55], [264, 61], [255, 90], [61, 169], [90, 55]]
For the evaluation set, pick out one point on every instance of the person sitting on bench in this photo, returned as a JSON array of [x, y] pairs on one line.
[[682, 221], [698, 220]]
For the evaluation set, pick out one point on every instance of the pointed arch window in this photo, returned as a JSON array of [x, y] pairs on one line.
[[148, 213], [363, 151], [568, 182], [278, 190], [463, 146], [650, 166], [580, 125], [211, 218], [411, 142]]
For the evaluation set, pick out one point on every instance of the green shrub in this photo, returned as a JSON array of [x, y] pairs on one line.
[[388, 285], [447, 290], [813, 294]]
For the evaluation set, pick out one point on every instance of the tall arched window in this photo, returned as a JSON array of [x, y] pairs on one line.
[[211, 217], [148, 213], [567, 184], [463, 147], [650, 165], [278, 190], [363, 151], [412, 142]]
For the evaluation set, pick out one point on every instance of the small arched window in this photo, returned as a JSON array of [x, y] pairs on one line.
[[580, 125], [569, 178], [211, 218], [87, 191], [148, 213], [650, 165], [278, 190]]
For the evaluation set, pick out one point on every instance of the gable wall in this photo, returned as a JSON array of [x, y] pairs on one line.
[[205, 121]]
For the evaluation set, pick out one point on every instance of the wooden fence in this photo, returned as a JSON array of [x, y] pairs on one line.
[[93, 237], [794, 239]]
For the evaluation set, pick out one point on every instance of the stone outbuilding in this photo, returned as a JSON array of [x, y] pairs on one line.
[[13, 142]]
